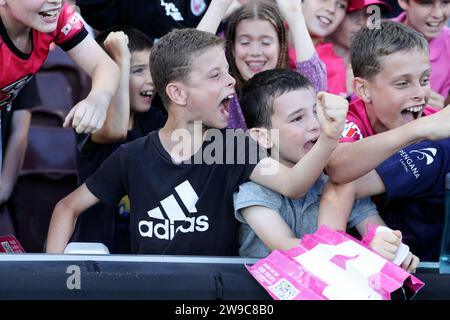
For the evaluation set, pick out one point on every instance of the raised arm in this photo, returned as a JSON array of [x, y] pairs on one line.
[[294, 182], [89, 114], [343, 168], [14, 152], [308, 62], [293, 13], [115, 128], [64, 217], [336, 204], [217, 10]]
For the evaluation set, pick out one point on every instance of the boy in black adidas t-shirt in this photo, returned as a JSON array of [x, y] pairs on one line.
[[129, 118], [181, 179]]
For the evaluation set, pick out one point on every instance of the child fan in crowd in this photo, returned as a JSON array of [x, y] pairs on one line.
[[129, 117], [154, 18], [359, 14], [429, 17], [391, 67], [283, 102], [27, 28], [257, 41], [322, 18], [177, 206]]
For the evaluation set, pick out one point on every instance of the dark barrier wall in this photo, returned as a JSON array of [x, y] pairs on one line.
[[38, 276]]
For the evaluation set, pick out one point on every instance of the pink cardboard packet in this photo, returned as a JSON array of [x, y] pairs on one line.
[[331, 265], [9, 244]]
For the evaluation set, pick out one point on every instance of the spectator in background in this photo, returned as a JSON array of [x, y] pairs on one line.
[[429, 17], [154, 18], [357, 16], [322, 19], [27, 30]]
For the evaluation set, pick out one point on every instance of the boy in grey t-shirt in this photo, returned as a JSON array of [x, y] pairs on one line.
[[300, 214], [279, 107]]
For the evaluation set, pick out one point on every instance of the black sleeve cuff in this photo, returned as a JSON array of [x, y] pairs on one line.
[[66, 46]]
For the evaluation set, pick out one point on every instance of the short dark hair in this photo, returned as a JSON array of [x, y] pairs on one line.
[[371, 44], [258, 94], [172, 56], [137, 40]]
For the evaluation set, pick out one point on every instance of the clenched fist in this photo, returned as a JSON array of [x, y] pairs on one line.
[[116, 44], [331, 113]]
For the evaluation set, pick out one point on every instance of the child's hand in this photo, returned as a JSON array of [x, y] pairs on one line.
[[116, 44], [436, 126], [89, 115], [290, 8], [331, 113], [436, 100], [386, 244], [410, 263]]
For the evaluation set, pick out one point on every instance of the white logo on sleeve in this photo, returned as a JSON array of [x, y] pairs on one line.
[[428, 153], [172, 10], [409, 163], [164, 228], [72, 23], [352, 131]]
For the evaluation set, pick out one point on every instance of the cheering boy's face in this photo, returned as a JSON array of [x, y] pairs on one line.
[[399, 92], [41, 15], [324, 16], [294, 115], [142, 88], [426, 16], [207, 91]]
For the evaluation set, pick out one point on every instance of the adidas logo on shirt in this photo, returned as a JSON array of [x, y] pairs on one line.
[[165, 227]]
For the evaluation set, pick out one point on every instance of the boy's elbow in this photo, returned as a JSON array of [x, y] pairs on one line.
[[336, 169], [336, 174], [63, 207]]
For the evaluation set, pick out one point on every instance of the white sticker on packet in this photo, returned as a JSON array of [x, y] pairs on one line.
[[402, 251]]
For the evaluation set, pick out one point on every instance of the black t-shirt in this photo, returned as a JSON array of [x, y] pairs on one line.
[[184, 209], [90, 155], [153, 17], [104, 223]]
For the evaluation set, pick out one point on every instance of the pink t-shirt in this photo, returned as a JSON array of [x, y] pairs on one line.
[[335, 65], [336, 71], [439, 58], [357, 124]]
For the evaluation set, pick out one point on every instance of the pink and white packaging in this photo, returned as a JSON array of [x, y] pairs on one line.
[[331, 265]]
